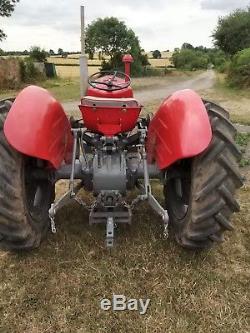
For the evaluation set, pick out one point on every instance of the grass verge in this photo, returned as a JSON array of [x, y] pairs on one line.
[[234, 100]]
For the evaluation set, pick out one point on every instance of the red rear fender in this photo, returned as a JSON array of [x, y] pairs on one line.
[[37, 126], [180, 129]]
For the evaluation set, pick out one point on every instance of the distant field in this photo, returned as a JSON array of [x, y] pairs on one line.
[[65, 69], [71, 72], [68, 61], [68, 68], [160, 62]]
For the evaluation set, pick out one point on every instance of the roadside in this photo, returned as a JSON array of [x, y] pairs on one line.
[[148, 90], [68, 89], [235, 101]]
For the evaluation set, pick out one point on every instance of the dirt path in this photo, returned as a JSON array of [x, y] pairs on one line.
[[200, 82]]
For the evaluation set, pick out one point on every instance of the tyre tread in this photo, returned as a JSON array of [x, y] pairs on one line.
[[216, 177]]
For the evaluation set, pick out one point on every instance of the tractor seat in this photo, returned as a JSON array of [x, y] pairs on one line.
[[109, 116], [109, 102]]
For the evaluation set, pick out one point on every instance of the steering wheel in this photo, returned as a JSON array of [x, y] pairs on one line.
[[109, 80]]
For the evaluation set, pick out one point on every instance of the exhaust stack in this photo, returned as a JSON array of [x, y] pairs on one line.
[[127, 60]]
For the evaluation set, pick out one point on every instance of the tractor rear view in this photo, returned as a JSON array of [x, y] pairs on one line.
[[188, 145]]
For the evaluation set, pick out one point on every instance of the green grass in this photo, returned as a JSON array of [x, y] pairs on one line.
[[243, 139], [62, 89]]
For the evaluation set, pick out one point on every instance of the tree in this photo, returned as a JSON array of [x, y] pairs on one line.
[[113, 38], [100, 57], [190, 59], [51, 52], [60, 52], [232, 33], [38, 54], [239, 70], [6, 9], [187, 46], [156, 54]]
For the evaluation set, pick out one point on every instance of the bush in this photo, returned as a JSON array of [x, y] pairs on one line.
[[156, 54], [113, 38], [138, 67], [38, 54], [190, 59], [29, 74], [239, 70], [219, 59]]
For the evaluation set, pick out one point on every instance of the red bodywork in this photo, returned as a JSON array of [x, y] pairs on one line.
[[124, 93], [110, 112], [109, 116], [180, 129], [37, 126], [127, 60]]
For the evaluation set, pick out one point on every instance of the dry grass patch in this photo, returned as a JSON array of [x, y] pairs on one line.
[[160, 62], [58, 288], [72, 72], [235, 101]]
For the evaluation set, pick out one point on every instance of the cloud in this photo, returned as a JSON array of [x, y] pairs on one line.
[[223, 5], [159, 25]]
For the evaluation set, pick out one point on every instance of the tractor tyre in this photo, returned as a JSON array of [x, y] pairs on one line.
[[200, 191], [24, 198]]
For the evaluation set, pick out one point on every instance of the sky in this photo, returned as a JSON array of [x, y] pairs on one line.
[[159, 24]]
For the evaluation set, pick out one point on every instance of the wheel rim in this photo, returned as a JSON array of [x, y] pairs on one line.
[[180, 189], [37, 192]]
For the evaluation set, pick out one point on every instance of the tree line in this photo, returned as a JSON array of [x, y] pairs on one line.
[[111, 38], [231, 53]]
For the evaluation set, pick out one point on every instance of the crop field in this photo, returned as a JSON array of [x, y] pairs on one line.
[[72, 72], [160, 62], [66, 70]]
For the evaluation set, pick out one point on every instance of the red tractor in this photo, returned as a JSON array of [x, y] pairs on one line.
[[188, 145]]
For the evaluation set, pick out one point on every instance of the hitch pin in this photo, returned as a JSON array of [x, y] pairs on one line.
[[165, 218], [165, 231], [52, 219], [53, 225]]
